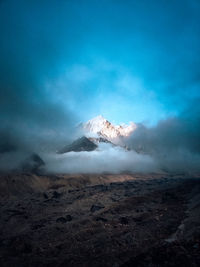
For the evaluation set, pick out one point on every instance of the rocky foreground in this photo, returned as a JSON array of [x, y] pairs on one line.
[[99, 220]]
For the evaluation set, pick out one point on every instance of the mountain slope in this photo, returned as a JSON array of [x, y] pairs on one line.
[[81, 144], [99, 130]]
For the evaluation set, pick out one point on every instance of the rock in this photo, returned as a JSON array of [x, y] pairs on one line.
[[139, 210], [96, 208], [81, 144], [101, 219], [45, 196], [56, 194], [128, 238], [37, 226], [61, 220], [68, 218], [128, 193], [123, 220]]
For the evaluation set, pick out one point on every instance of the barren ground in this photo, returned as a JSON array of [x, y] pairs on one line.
[[99, 220]]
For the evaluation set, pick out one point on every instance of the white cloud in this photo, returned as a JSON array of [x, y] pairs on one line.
[[105, 159]]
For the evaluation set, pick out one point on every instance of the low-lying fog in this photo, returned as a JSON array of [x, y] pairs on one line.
[[105, 159]]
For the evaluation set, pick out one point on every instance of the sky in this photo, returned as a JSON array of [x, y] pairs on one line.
[[67, 61]]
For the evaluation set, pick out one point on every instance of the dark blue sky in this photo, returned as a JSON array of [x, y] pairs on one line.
[[127, 60]]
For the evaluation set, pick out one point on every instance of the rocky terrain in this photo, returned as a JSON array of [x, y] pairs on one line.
[[100, 220]]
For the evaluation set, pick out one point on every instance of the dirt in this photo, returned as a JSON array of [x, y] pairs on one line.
[[99, 220]]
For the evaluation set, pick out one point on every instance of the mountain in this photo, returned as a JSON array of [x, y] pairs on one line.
[[32, 164], [81, 144], [98, 140], [103, 128], [99, 130]]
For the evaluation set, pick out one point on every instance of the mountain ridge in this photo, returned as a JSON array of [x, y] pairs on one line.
[[99, 130], [102, 127]]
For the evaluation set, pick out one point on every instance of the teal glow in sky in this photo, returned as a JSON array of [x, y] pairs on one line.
[[127, 60]]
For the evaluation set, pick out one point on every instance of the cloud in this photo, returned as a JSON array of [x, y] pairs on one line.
[[30, 115], [173, 143], [105, 159]]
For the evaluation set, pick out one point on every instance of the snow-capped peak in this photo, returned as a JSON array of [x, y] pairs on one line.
[[96, 124], [102, 127]]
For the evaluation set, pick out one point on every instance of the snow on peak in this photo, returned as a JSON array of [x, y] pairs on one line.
[[102, 127], [96, 124]]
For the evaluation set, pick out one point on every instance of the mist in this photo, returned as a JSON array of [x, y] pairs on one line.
[[105, 159], [173, 143]]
